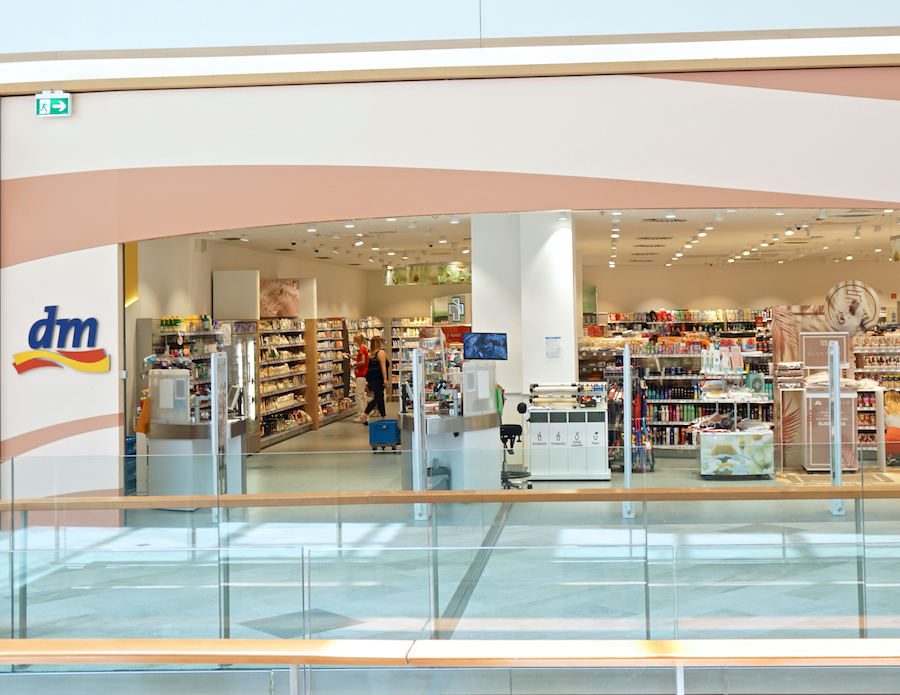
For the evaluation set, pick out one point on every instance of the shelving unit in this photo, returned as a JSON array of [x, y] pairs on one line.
[[283, 397], [404, 337], [195, 346], [332, 371]]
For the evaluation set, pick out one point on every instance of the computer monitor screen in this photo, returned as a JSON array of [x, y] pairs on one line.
[[484, 346]]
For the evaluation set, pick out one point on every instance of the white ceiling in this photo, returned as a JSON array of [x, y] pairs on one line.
[[646, 237]]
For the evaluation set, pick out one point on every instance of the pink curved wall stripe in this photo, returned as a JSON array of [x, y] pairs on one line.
[[18, 445], [106, 207], [871, 83]]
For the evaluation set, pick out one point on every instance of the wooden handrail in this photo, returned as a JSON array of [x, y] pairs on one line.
[[459, 653], [312, 499]]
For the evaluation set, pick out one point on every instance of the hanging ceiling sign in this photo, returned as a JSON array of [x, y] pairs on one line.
[[53, 102], [448, 274]]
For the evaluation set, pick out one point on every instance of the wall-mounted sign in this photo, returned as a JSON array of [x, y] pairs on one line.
[[65, 333], [851, 306], [53, 102]]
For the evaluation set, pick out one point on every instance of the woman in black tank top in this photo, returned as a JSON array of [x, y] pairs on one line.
[[377, 378]]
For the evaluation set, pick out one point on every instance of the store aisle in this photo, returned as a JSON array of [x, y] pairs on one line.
[[336, 457]]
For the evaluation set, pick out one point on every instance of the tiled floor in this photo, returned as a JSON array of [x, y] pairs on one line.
[[579, 569]]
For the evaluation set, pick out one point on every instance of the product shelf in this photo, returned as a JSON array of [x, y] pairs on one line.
[[270, 331], [298, 404], [866, 409], [286, 375], [878, 370], [284, 434], [266, 394], [282, 361], [337, 416], [876, 350], [265, 346]]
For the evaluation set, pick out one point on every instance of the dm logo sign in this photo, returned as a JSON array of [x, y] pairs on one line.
[[65, 331]]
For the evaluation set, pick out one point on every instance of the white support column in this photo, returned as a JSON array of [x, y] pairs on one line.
[[524, 285], [497, 290], [548, 298]]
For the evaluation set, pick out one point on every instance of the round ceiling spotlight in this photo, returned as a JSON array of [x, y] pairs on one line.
[[349, 224], [670, 214], [311, 228], [412, 224], [709, 226], [454, 219], [779, 211]]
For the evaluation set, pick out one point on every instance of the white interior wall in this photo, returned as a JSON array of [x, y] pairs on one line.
[[736, 285], [341, 291]]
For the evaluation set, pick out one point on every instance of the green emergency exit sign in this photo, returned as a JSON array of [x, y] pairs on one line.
[[53, 103]]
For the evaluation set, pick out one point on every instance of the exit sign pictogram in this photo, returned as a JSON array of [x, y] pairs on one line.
[[53, 102]]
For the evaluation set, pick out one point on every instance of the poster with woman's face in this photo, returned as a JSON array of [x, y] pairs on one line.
[[851, 306]]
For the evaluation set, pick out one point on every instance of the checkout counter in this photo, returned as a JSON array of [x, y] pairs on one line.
[[467, 444], [181, 460]]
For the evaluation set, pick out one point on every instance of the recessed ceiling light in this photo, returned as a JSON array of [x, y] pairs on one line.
[[679, 254], [764, 244], [789, 232], [709, 226], [311, 228], [465, 250], [804, 224], [454, 219], [614, 235], [824, 248], [889, 210], [615, 227], [371, 260], [688, 246], [701, 233], [737, 258], [877, 250], [849, 258], [779, 211], [754, 249], [619, 212], [390, 219], [391, 253], [670, 214], [357, 243], [781, 261], [745, 253], [412, 224], [731, 210], [731, 260], [376, 247], [349, 224], [405, 257], [775, 238], [390, 267], [668, 264], [442, 240]]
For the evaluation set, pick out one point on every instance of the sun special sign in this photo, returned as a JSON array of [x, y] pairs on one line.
[[67, 333]]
